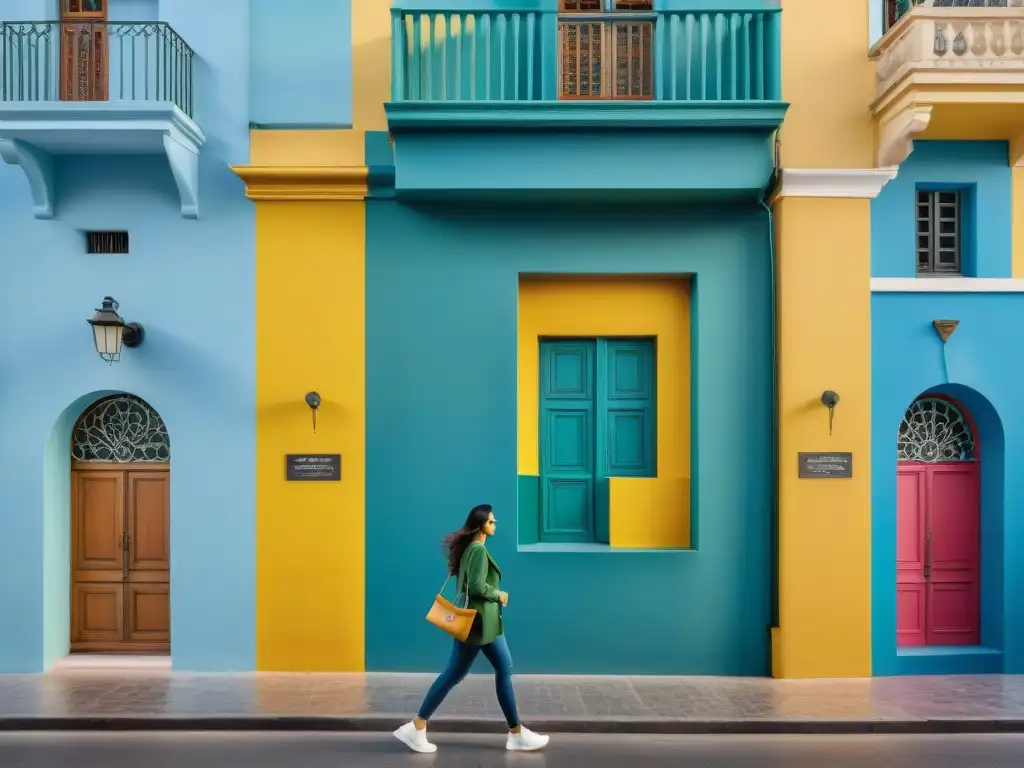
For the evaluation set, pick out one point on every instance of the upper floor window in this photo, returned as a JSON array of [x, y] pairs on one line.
[[606, 51], [939, 232]]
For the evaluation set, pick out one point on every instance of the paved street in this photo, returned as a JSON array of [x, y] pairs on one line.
[[70, 700], [284, 750]]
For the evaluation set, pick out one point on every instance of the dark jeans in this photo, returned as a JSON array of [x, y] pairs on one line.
[[459, 664]]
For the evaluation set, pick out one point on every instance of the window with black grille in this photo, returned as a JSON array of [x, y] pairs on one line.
[[939, 232], [106, 242]]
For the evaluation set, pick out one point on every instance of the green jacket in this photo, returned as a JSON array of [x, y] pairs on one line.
[[479, 572]]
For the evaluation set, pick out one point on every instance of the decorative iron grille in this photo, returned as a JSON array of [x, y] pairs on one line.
[[121, 429], [95, 61], [934, 430]]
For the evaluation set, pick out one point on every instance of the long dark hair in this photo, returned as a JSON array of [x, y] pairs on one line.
[[455, 543]]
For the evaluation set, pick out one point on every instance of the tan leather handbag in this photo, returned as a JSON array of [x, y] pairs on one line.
[[447, 616]]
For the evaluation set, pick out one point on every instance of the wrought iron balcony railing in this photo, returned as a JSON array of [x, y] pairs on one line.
[[95, 61], [444, 55]]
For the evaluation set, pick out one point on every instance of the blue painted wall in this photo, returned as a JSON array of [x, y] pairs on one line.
[[979, 167], [442, 301], [908, 359], [191, 284], [300, 72]]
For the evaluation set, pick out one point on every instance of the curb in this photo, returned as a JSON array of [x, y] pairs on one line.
[[379, 724]]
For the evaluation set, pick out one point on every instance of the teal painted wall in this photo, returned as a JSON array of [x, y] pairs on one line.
[[442, 305]]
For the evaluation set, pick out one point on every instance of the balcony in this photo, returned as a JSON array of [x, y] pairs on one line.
[[102, 88], [583, 98], [950, 72]]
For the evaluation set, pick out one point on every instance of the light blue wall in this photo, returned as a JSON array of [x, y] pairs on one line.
[[441, 338], [978, 368], [134, 10], [301, 67], [191, 284], [979, 167]]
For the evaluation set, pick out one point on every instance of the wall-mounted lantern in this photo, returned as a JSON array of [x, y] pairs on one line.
[[110, 332], [945, 328], [313, 401], [830, 400]]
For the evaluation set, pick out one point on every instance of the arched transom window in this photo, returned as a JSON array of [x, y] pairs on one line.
[[935, 430], [120, 429]]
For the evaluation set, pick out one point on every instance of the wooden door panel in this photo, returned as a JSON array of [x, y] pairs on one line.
[[953, 616], [148, 614], [911, 521], [911, 614], [97, 523], [149, 522], [97, 614], [954, 594]]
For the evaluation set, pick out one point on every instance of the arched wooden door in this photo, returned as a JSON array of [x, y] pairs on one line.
[[120, 529], [938, 567]]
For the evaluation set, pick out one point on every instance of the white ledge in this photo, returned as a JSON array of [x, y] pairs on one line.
[[947, 285], [835, 182]]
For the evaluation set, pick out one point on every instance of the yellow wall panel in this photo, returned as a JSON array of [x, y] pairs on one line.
[[829, 83], [620, 307], [824, 331], [310, 335]]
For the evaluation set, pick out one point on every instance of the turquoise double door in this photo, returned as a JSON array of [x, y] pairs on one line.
[[597, 420]]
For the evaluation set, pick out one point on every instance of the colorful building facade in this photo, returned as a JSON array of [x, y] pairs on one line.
[[628, 271]]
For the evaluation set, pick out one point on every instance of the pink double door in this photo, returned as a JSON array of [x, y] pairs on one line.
[[938, 554]]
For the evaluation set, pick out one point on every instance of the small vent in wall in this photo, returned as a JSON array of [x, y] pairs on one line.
[[106, 242]]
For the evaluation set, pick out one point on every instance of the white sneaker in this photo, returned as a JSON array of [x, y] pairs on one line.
[[526, 741], [415, 738]]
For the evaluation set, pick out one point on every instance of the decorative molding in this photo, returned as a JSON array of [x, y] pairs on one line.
[[266, 182], [38, 168], [947, 285], [568, 114], [834, 182], [896, 136]]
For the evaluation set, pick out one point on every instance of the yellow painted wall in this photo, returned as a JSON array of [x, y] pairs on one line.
[[829, 82], [310, 335], [1018, 223], [824, 327], [645, 512], [824, 336]]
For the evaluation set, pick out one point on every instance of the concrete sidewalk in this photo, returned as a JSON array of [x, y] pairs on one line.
[[157, 700]]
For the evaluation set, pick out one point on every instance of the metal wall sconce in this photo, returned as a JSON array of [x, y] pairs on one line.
[[313, 401], [110, 332], [945, 328], [830, 400]]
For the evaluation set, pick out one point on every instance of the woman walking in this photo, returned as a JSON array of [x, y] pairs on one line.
[[479, 576]]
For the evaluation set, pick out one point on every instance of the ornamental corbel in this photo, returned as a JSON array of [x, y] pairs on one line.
[[896, 136]]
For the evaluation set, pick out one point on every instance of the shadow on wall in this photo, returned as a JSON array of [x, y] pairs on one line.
[[990, 439]]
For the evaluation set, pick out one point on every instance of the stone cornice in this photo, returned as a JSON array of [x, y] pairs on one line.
[[267, 182], [834, 182]]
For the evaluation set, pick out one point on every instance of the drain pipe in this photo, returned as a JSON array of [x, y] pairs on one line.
[[766, 195]]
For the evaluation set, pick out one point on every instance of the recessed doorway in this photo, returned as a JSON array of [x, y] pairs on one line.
[[938, 569], [120, 529]]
